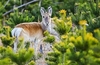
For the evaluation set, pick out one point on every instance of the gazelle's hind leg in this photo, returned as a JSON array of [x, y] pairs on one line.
[[31, 44], [15, 45], [37, 42], [16, 33]]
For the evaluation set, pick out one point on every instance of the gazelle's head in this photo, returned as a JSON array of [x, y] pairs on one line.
[[46, 16]]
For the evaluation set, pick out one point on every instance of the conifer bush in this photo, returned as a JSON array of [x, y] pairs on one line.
[[9, 57], [48, 38], [7, 39], [79, 44], [22, 57], [76, 47], [19, 18]]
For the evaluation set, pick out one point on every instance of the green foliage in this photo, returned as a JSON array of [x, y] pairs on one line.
[[80, 46], [20, 58], [19, 18], [77, 49], [61, 47], [78, 10], [88, 10], [97, 34], [2, 10], [48, 38], [52, 58], [5, 61], [63, 24], [32, 63], [6, 39], [8, 56]]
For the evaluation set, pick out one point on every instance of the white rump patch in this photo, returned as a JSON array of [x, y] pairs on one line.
[[16, 32]]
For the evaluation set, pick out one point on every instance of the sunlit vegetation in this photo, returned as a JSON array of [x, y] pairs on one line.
[[77, 22]]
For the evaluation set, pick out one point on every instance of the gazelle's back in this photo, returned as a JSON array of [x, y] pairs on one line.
[[32, 28]]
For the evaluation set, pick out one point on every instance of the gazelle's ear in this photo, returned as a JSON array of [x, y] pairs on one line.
[[42, 10], [50, 10]]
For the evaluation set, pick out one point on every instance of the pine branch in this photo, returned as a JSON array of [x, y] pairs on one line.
[[19, 7]]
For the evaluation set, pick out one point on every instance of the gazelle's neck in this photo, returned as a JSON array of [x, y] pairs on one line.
[[44, 28]]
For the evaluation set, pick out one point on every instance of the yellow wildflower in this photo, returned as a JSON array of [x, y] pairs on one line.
[[94, 40], [62, 11], [79, 39], [69, 18], [68, 51], [62, 44], [71, 45], [69, 24], [60, 20], [72, 39], [54, 18], [64, 36], [83, 22], [89, 35], [96, 30]]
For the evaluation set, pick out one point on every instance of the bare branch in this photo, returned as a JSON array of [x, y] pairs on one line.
[[6, 3], [40, 3]]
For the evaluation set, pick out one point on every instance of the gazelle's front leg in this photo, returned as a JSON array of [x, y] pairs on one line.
[[38, 48], [41, 48]]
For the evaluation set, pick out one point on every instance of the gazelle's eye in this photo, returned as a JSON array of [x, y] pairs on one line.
[[43, 16]]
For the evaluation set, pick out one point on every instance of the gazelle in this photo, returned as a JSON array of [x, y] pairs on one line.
[[33, 31]]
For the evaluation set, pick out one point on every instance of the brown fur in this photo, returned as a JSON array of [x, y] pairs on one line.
[[31, 28]]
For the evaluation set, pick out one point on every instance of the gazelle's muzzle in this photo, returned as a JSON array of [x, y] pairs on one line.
[[47, 20]]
